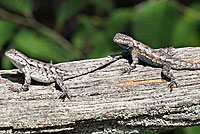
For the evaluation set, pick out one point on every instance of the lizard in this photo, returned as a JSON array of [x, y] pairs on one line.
[[163, 57], [47, 72]]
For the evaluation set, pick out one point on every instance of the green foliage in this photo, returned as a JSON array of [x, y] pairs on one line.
[[102, 6], [192, 130], [20, 6], [68, 9], [93, 24], [119, 20], [6, 31], [35, 45], [186, 31], [154, 23]]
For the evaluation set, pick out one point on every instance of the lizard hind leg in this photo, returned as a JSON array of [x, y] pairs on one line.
[[169, 50], [165, 71], [60, 84]]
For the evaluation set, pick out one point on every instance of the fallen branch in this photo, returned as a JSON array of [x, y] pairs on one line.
[[104, 100]]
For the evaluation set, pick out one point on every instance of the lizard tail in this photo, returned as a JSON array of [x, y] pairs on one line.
[[181, 64], [83, 71]]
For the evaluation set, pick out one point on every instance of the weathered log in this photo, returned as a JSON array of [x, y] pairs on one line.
[[103, 101]]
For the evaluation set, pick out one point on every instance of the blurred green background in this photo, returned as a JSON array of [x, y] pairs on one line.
[[67, 30]]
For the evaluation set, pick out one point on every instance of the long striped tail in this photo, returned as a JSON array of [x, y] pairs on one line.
[[72, 71]]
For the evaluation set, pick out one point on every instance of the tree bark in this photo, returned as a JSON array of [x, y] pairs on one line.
[[103, 101]]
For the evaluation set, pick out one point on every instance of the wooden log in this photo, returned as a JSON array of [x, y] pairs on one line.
[[103, 101]]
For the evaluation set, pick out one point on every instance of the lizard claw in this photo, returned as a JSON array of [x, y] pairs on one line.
[[172, 84], [127, 69], [24, 88], [16, 90], [63, 96]]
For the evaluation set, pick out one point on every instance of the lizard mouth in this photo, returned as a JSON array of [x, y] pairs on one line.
[[125, 47], [7, 53], [10, 52]]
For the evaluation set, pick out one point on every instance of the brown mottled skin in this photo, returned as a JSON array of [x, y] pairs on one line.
[[156, 57]]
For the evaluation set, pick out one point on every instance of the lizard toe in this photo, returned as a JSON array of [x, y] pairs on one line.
[[63, 96], [172, 85]]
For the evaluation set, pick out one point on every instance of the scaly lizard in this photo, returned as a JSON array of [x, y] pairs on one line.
[[46, 72], [162, 58]]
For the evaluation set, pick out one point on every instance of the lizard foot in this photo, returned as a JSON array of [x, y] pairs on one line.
[[172, 84], [127, 69], [63, 96], [24, 88], [16, 90]]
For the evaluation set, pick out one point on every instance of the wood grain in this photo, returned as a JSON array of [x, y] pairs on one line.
[[103, 101]]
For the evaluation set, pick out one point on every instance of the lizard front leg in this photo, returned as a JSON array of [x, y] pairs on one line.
[[134, 62], [60, 82], [27, 75], [165, 71], [27, 82]]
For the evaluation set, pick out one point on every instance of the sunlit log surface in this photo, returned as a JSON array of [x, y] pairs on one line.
[[103, 101]]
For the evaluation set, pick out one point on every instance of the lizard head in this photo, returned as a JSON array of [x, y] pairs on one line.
[[16, 57], [123, 40]]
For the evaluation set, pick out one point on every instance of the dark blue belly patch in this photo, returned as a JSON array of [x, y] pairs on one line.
[[149, 61]]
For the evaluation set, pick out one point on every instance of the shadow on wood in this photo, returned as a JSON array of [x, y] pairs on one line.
[[104, 101]]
